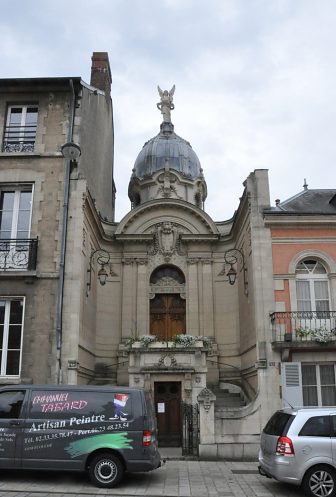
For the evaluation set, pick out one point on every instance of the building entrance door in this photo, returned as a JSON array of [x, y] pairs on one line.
[[167, 316], [167, 397]]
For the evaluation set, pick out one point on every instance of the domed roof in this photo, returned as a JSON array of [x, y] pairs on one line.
[[167, 148]]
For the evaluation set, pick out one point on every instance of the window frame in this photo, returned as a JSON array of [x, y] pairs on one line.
[[318, 380], [21, 133], [18, 188], [4, 345], [311, 278]]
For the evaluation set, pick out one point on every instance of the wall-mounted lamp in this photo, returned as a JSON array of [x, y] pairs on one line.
[[71, 151], [102, 257], [231, 257]]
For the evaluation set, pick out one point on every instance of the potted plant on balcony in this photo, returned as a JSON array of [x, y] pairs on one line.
[[302, 333], [323, 335]]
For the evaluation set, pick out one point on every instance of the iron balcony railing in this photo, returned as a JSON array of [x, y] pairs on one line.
[[303, 326], [19, 138], [18, 254]]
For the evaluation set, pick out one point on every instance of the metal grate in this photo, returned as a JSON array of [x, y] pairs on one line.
[[190, 429]]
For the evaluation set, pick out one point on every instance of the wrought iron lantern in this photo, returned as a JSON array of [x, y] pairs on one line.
[[231, 258], [102, 257]]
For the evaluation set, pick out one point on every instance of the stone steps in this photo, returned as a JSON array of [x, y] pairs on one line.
[[225, 399]]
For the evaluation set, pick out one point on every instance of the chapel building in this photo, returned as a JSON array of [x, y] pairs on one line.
[[222, 322]]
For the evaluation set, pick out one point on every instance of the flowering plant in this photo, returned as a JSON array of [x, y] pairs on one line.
[[185, 340], [146, 340]]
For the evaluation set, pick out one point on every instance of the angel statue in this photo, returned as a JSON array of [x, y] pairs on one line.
[[166, 104]]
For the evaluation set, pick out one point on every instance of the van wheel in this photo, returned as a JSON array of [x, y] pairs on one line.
[[106, 470], [320, 481]]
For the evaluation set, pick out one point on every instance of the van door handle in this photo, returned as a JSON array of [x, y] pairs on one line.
[[14, 422]]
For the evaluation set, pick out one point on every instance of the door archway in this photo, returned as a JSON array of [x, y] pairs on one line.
[[167, 305]]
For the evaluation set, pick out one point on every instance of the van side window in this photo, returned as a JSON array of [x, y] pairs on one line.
[[317, 426], [11, 403], [333, 422]]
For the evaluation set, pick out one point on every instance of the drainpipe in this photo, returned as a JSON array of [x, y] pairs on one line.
[[60, 291]]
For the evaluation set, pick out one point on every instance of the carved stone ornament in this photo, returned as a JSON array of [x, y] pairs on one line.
[[167, 361], [166, 240], [206, 397], [167, 189]]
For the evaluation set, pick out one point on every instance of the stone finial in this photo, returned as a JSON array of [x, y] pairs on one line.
[[166, 103]]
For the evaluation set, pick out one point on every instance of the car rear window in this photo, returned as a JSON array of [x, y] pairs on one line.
[[317, 426], [279, 424]]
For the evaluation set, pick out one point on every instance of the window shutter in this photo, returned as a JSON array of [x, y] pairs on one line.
[[291, 384]]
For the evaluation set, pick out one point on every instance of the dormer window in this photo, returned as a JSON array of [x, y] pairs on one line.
[[20, 130]]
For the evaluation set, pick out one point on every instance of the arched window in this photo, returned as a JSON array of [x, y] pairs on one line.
[[167, 274], [312, 287], [167, 307]]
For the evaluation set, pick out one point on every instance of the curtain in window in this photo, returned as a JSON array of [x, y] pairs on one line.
[[303, 296], [328, 388], [321, 295], [309, 385]]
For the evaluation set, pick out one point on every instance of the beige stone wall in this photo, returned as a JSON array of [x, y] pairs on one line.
[[44, 169]]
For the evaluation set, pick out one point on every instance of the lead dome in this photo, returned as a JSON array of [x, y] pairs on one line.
[[167, 148]]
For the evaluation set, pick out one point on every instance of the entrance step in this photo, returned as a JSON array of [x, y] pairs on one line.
[[225, 398], [175, 454]]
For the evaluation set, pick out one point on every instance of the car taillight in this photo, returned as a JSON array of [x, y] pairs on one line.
[[285, 446], [146, 438]]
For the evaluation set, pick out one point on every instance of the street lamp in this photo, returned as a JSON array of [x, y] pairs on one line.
[[102, 257], [231, 257], [71, 151]]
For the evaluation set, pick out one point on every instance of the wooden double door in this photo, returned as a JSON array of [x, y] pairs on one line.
[[167, 316], [167, 398]]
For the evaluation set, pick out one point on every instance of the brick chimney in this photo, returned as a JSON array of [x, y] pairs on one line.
[[101, 76]]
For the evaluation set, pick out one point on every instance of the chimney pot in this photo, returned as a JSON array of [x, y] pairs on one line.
[[101, 76]]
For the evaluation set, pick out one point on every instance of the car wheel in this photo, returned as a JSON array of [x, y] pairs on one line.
[[106, 470], [320, 481]]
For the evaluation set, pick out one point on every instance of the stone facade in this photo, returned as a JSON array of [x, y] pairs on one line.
[[167, 265]]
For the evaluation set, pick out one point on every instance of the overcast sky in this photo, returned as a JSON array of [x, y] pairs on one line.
[[255, 81]]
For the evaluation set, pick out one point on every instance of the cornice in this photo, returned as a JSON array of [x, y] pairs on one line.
[[168, 204], [279, 219]]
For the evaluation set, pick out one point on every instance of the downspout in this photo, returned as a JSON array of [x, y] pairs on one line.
[[60, 291]]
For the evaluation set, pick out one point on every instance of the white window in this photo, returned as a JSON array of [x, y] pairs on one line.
[[20, 130], [313, 315], [308, 384], [312, 286], [11, 326], [15, 212], [15, 219], [318, 384]]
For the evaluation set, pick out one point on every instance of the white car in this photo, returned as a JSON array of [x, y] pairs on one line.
[[299, 446]]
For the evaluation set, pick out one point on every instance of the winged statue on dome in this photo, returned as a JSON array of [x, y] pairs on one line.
[[166, 104]]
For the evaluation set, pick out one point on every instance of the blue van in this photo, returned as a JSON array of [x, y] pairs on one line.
[[103, 430]]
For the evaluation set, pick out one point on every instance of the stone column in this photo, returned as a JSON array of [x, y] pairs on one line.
[[142, 310], [207, 447], [128, 316], [208, 300], [192, 298]]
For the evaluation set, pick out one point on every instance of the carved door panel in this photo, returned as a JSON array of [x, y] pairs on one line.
[[167, 316], [167, 398]]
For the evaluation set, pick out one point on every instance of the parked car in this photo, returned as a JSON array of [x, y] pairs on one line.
[[299, 446], [103, 430]]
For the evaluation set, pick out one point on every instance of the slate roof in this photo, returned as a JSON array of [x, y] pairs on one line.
[[308, 202]]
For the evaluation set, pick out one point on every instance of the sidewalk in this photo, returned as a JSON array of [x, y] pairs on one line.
[[177, 478]]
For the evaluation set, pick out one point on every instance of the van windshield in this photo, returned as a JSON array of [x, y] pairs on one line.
[[279, 424]]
